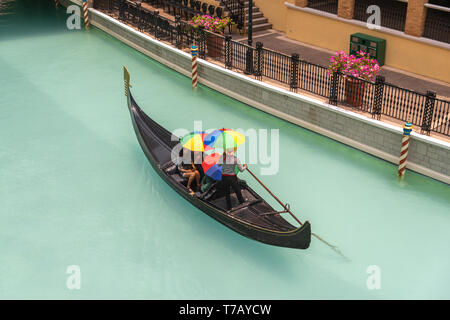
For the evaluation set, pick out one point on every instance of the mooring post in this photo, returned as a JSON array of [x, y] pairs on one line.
[[407, 128], [194, 53], [85, 15]]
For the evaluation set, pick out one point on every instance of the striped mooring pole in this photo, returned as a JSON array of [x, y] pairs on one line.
[[194, 53], [56, 3], [85, 15], [407, 128]]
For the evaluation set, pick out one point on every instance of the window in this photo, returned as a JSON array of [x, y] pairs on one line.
[[393, 13], [330, 6], [437, 23]]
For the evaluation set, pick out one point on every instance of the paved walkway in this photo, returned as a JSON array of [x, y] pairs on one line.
[[277, 41]]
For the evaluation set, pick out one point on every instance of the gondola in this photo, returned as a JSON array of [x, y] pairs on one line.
[[254, 219]]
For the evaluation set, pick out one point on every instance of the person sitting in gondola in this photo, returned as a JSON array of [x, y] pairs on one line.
[[229, 178], [189, 171], [206, 183]]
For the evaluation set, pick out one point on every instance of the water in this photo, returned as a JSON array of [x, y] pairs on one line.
[[76, 189]]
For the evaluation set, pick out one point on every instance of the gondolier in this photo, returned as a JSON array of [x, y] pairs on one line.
[[229, 177]]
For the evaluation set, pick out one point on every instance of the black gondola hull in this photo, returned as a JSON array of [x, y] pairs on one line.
[[154, 150]]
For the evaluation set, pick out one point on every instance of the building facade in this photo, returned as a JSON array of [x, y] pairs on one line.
[[417, 32]]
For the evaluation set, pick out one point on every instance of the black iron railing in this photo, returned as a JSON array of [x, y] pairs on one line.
[[236, 10], [108, 5], [392, 13], [314, 78], [186, 9], [437, 25], [377, 98], [330, 6]]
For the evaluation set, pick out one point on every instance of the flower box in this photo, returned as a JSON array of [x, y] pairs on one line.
[[354, 92], [214, 45]]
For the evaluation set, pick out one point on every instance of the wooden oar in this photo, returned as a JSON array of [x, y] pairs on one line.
[[287, 209]]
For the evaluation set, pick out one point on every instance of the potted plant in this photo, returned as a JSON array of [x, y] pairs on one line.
[[355, 69], [213, 25]]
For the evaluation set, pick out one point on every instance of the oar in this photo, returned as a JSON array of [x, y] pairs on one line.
[[287, 209]]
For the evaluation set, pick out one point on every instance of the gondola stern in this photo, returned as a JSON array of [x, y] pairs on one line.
[[305, 232], [301, 238]]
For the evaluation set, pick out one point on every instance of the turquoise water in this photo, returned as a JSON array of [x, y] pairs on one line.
[[76, 189]]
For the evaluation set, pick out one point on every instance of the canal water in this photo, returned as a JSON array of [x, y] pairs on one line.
[[76, 189]]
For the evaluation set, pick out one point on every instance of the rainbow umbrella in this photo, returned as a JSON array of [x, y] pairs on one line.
[[223, 138], [212, 168], [194, 141]]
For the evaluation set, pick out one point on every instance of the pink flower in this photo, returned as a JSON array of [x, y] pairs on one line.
[[361, 65]]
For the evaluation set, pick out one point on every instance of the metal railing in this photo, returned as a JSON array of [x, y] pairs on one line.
[[377, 98], [184, 8], [108, 5], [330, 6], [437, 25], [393, 13], [236, 10]]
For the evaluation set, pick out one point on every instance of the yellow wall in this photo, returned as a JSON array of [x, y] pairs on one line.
[[275, 11], [401, 53]]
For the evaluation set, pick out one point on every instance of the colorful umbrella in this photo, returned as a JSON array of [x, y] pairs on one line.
[[212, 168], [224, 138], [194, 141]]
